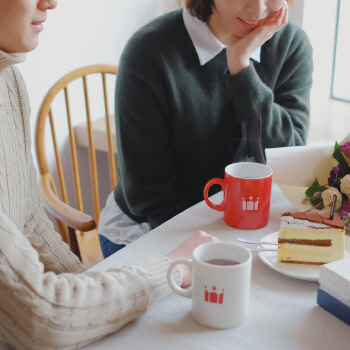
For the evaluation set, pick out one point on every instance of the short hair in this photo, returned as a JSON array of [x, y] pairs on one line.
[[202, 9]]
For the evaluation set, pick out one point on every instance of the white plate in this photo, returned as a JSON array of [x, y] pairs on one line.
[[300, 271]]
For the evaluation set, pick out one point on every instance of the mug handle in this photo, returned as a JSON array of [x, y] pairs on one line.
[[181, 291], [216, 181]]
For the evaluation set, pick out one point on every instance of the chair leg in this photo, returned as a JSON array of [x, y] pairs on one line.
[[73, 242]]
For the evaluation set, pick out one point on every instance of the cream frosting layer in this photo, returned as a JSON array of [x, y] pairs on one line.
[[290, 222]]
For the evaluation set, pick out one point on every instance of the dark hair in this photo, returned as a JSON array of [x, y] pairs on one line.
[[202, 9]]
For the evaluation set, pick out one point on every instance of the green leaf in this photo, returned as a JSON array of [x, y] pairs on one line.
[[315, 187], [338, 154], [337, 180], [316, 203]]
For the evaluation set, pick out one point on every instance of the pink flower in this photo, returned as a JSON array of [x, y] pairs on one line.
[[346, 149], [346, 206]]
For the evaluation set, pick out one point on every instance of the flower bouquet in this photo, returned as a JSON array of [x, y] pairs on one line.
[[321, 196]]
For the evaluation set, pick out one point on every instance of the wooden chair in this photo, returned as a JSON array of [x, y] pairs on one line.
[[69, 219]]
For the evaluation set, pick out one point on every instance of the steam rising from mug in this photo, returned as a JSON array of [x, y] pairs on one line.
[[250, 148]]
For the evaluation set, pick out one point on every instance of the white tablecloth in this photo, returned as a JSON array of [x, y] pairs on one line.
[[283, 310]]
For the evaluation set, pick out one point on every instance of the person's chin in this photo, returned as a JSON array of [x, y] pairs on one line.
[[242, 33], [30, 45], [24, 47]]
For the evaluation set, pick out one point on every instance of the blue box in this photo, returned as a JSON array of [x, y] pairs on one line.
[[333, 305]]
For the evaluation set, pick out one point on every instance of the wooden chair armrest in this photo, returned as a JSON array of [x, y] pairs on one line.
[[71, 217]]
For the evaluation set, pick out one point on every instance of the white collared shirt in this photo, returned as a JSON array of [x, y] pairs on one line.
[[206, 44]]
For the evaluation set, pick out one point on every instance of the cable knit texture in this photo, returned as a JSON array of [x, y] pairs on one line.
[[47, 299]]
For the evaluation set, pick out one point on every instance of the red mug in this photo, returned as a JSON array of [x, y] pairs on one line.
[[247, 195]]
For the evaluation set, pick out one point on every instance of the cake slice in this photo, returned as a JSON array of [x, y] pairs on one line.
[[310, 238]]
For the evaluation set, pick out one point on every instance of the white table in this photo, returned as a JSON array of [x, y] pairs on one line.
[[283, 310]]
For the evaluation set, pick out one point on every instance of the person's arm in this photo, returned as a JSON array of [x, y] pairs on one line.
[[146, 162], [47, 311], [280, 110], [53, 252]]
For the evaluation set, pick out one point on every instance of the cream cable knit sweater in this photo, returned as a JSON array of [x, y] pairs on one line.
[[47, 301]]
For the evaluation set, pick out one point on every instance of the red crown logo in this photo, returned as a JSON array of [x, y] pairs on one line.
[[213, 297], [252, 204]]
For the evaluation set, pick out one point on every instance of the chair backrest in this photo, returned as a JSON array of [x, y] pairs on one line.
[[46, 114]]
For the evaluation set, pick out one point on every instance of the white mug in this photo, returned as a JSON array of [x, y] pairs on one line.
[[220, 293]]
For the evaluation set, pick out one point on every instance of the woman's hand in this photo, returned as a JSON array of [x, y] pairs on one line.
[[186, 248], [239, 50]]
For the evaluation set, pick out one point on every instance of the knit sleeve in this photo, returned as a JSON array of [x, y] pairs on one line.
[[55, 254], [47, 311], [274, 95]]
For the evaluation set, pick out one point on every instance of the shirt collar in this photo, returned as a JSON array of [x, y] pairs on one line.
[[8, 59], [206, 44]]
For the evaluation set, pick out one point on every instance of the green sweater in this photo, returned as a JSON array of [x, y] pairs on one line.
[[179, 123]]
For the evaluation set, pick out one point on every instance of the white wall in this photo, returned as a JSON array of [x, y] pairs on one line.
[[79, 33], [342, 68], [82, 32]]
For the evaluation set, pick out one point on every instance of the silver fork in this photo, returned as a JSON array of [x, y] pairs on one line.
[[252, 242], [263, 250], [260, 243]]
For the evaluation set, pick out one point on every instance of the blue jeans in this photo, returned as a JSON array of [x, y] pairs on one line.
[[108, 248]]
